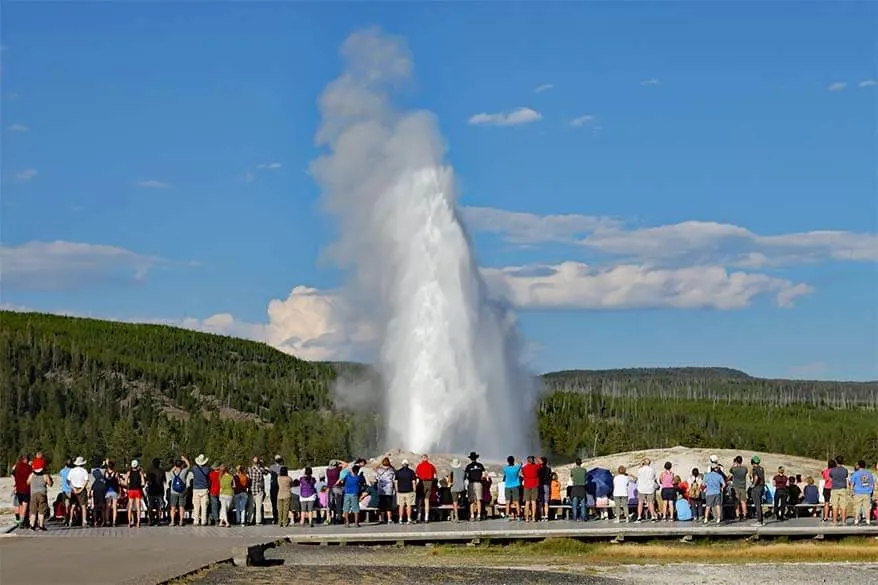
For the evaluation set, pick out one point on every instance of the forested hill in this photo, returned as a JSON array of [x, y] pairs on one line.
[[94, 387]]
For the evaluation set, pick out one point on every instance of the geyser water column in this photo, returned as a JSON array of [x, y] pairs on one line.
[[449, 355]]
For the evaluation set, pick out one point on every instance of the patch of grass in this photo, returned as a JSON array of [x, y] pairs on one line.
[[562, 551]]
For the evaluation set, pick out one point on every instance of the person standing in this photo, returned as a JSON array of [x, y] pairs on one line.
[[155, 492], [426, 473], [839, 500], [458, 488], [135, 481], [739, 474], [862, 486], [308, 497], [273, 489], [178, 481], [284, 497], [21, 473], [781, 482], [256, 488], [39, 481], [241, 501], [475, 473], [646, 490], [335, 497], [385, 476], [78, 479], [530, 480], [714, 484], [545, 487], [757, 489], [351, 504], [512, 489], [578, 496], [200, 490], [405, 480]]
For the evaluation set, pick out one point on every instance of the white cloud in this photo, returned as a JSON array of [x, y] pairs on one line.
[[837, 86], [67, 265], [18, 128], [25, 175], [573, 285], [868, 83], [152, 184], [529, 228], [650, 82], [581, 121], [544, 87], [685, 243], [269, 166], [511, 118]]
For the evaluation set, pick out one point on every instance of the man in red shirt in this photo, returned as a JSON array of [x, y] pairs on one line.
[[214, 492], [530, 474], [426, 473], [21, 473]]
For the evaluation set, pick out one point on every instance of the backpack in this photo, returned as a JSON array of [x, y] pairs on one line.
[[177, 484], [695, 490], [99, 484]]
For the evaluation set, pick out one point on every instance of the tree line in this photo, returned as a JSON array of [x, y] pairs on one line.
[[72, 386]]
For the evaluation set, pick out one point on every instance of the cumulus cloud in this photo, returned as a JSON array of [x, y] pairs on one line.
[[68, 265], [317, 325], [25, 175], [18, 128], [837, 86], [152, 184], [544, 87], [511, 118], [573, 285], [685, 243]]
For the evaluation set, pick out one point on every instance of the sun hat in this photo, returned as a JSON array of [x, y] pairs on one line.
[[79, 462], [201, 459], [405, 462], [473, 455], [135, 464], [38, 467], [455, 462]]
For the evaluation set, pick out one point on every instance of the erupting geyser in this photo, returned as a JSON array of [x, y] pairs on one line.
[[449, 355]]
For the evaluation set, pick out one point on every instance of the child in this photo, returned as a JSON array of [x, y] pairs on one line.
[[620, 494]]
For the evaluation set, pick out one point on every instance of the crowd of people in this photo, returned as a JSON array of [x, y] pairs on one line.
[[213, 493]]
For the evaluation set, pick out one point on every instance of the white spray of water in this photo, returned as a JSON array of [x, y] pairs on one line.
[[449, 357]]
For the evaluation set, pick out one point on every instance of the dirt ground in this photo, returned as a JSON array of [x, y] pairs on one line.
[[416, 566]]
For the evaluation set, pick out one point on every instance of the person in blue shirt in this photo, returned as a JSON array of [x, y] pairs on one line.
[[714, 484], [512, 481], [351, 503], [862, 485]]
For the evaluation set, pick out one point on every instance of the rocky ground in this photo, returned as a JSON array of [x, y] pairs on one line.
[[292, 565]]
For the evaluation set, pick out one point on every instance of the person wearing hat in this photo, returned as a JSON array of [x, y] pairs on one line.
[[134, 482], [78, 480], [714, 484], [39, 482], [406, 481], [757, 489], [475, 474], [458, 488], [274, 471], [200, 490]]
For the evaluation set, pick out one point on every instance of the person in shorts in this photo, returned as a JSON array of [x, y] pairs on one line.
[[351, 503], [39, 482], [512, 488], [839, 496], [78, 478], [458, 488], [714, 484], [177, 479], [405, 484], [475, 473], [111, 511]]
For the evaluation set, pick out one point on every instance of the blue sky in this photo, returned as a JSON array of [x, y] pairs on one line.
[[155, 167]]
